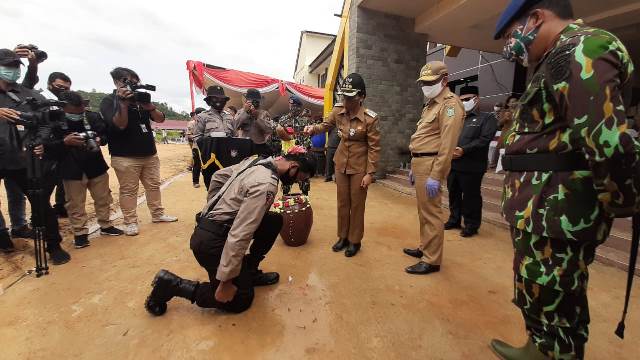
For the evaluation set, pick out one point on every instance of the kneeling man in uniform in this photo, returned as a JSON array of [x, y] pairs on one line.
[[235, 214]]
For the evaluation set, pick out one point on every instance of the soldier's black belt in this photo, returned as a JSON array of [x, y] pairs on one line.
[[427, 154], [573, 161]]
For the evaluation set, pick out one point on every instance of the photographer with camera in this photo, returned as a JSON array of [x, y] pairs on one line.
[[57, 83], [82, 167], [14, 159], [255, 123], [128, 113]]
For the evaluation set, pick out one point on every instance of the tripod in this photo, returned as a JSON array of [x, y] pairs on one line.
[[38, 213]]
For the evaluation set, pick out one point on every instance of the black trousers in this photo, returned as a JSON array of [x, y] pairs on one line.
[[52, 234], [331, 166], [207, 246], [195, 170], [465, 198]]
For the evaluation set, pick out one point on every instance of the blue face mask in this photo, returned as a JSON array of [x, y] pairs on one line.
[[9, 74], [75, 117]]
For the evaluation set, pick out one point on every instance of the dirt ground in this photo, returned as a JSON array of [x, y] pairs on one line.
[[325, 306], [175, 158]]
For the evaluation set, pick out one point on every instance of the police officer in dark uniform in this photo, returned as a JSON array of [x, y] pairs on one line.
[[469, 164]]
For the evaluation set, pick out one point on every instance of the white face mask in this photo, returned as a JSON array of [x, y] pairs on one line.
[[432, 91], [470, 104]]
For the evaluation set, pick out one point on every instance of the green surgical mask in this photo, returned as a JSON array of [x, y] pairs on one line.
[[9, 74]]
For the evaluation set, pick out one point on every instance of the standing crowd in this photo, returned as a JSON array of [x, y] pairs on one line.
[[57, 128]]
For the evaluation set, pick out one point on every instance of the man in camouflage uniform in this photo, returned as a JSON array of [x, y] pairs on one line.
[[296, 119], [569, 163]]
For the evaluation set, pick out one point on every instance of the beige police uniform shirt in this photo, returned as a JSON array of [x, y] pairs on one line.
[[258, 127], [245, 201], [438, 131], [359, 149], [211, 121]]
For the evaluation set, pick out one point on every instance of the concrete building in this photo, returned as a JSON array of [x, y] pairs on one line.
[[314, 56], [387, 41]]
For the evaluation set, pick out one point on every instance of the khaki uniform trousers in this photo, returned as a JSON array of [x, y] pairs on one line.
[[429, 212], [130, 172], [351, 201], [76, 197]]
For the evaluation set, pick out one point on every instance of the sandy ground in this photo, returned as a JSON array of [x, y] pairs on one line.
[[332, 307], [174, 160]]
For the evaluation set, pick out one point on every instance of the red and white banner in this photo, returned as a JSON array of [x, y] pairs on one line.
[[236, 82]]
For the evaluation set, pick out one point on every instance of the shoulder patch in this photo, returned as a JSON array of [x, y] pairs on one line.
[[271, 196], [451, 111], [370, 113]]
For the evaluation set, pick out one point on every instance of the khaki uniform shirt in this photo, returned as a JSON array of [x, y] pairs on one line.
[[190, 128], [245, 201], [359, 149], [438, 131], [211, 121], [258, 127]]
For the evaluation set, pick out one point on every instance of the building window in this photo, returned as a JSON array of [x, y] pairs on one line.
[[322, 79]]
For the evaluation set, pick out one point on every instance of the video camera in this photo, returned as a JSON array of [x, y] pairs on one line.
[[42, 113], [140, 96], [255, 103]]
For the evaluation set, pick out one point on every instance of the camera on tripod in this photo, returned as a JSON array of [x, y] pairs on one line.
[[90, 142], [42, 113], [140, 96]]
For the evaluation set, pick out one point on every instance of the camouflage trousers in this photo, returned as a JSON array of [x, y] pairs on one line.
[[556, 317], [305, 186]]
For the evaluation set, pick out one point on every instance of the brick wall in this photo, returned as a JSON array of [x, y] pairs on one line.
[[388, 54]]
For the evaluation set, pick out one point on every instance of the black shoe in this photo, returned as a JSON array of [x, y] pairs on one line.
[[352, 250], [340, 245], [422, 268], [58, 256], [451, 225], [166, 285], [60, 211], [6, 245], [261, 278], [466, 232], [81, 241], [111, 231], [24, 232], [416, 253]]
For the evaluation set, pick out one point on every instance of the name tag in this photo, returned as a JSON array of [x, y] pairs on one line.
[[20, 127], [144, 128]]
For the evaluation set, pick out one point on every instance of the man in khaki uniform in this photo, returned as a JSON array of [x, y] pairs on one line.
[[356, 159], [431, 149], [215, 119], [236, 213], [254, 123]]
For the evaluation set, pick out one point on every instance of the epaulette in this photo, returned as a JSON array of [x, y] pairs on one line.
[[370, 113]]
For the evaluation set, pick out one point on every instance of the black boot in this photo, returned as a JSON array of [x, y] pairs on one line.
[[166, 285], [260, 278], [340, 245], [57, 255], [6, 245], [352, 250]]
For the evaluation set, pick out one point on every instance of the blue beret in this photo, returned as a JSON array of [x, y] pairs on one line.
[[295, 100], [513, 12]]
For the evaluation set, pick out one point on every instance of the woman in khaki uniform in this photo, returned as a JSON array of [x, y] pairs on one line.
[[356, 159]]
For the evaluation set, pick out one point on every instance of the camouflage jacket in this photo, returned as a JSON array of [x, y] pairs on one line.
[[297, 123], [573, 103]]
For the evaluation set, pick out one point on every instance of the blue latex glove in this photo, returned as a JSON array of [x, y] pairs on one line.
[[433, 187]]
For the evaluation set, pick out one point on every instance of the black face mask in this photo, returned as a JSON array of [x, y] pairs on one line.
[[216, 104], [287, 179], [56, 91]]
